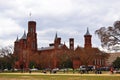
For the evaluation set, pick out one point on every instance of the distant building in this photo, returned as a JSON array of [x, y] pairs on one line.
[[26, 51]]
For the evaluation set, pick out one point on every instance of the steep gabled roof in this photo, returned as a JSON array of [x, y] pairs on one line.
[[63, 46], [79, 48]]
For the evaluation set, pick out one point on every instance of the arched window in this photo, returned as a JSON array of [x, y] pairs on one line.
[[31, 30]]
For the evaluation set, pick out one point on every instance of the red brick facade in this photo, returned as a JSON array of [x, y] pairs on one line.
[[26, 51]]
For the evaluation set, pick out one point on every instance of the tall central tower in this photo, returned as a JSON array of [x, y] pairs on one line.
[[32, 36]]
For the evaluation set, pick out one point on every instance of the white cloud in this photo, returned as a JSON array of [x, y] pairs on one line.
[[22, 8], [6, 42], [69, 18], [8, 27], [53, 7]]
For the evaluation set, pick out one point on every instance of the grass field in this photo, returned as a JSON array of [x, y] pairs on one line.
[[40, 76]]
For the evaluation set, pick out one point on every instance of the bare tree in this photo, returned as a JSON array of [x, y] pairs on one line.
[[110, 36], [7, 58], [6, 51]]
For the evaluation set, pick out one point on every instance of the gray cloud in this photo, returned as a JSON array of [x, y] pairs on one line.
[[69, 18]]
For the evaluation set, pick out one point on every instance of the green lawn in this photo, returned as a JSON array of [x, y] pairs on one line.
[[39, 76]]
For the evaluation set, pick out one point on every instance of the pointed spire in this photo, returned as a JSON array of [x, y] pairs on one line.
[[17, 40], [87, 33], [56, 36], [24, 35]]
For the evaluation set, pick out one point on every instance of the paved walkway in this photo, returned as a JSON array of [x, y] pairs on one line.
[[76, 74]]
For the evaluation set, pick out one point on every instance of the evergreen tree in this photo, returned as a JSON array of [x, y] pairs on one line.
[[116, 63]]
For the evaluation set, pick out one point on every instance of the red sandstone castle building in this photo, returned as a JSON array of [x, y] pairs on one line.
[[57, 54]]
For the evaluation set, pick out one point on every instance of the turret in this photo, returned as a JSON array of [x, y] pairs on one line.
[[71, 43], [87, 40], [24, 36], [16, 46], [32, 36], [23, 41], [17, 40], [57, 41]]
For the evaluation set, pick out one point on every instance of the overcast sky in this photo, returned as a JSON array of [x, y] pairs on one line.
[[69, 18]]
